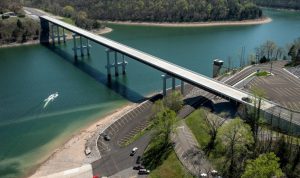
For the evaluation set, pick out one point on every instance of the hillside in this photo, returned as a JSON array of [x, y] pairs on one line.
[[289, 4], [154, 10]]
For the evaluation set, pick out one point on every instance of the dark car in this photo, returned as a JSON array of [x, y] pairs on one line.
[[105, 136], [143, 171], [247, 99], [138, 160], [138, 167]]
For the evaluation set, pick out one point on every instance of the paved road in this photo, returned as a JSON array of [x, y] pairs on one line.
[[34, 11]]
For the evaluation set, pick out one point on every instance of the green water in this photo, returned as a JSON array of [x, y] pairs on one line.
[[28, 75]]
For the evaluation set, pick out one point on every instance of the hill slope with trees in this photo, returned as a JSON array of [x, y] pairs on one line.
[[289, 4], [156, 10]]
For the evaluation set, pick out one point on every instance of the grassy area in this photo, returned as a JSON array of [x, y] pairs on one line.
[[199, 127], [171, 168], [136, 137], [68, 20], [262, 74]]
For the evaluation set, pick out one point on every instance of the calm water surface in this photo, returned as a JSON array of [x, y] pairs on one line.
[[29, 132]]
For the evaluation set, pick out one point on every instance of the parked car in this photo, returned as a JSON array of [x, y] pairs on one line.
[[107, 137], [133, 151], [143, 171], [138, 167]]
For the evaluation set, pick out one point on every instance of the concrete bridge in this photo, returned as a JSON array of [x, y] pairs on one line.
[[50, 29]]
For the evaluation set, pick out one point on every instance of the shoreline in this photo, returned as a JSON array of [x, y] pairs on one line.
[[73, 148], [69, 37], [263, 20]]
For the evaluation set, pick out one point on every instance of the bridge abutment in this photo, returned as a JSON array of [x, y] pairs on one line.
[[45, 30]]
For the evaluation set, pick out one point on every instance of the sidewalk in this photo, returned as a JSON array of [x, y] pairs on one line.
[[188, 151]]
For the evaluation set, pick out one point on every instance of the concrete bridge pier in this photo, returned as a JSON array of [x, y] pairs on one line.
[[75, 46], [123, 65], [82, 47], [52, 34], [108, 65], [55, 34], [116, 64], [165, 77]]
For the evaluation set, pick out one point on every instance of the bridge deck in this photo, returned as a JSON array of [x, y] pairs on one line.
[[162, 65]]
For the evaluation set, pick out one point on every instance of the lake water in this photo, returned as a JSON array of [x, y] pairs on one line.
[[29, 74]]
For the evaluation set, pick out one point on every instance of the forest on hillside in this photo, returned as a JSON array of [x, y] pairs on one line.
[[289, 4], [155, 10]]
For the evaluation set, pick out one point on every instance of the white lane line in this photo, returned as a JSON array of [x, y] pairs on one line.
[[290, 73]]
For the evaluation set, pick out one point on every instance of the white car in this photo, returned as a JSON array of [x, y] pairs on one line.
[[133, 151]]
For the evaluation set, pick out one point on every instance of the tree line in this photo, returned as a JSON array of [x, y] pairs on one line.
[[290, 4], [18, 30], [156, 10]]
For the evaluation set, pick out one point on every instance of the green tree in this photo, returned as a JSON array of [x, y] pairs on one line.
[[254, 115], [235, 138], [265, 166], [174, 101], [160, 146], [293, 53], [68, 11], [163, 124]]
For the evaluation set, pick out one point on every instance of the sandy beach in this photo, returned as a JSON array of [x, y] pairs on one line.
[[71, 154], [196, 24]]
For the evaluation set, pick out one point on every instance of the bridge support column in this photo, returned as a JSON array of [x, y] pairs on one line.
[[52, 34], [58, 34], [165, 77], [164, 84], [81, 46], [75, 46], [64, 35], [108, 66], [123, 65], [116, 64], [88, 47], [173, 83], [182, 87], [45, 31]]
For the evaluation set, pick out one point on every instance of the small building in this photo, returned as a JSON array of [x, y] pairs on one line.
[[217, 65]]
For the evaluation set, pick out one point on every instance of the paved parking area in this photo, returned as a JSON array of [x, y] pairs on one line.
[[281, 87], [115, 157]]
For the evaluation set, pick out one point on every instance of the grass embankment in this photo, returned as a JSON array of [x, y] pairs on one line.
[[262, 74], [68, 20], [199, 127], [171, 168], [136, 136]]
